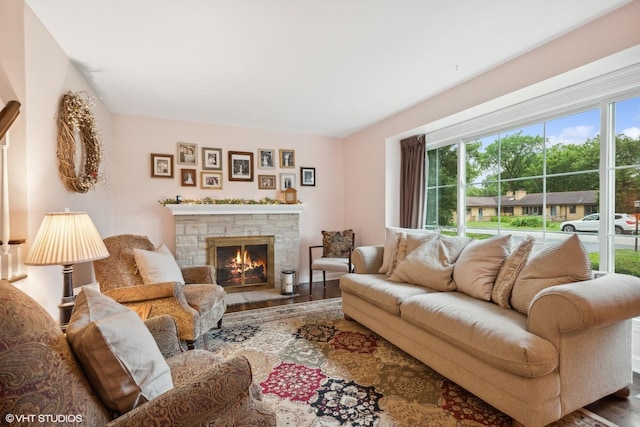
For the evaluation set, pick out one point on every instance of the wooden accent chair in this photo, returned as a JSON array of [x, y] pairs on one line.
[[337, 247], [197, 305]]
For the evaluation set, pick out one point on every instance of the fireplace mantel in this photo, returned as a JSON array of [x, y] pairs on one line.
[[233, 209]]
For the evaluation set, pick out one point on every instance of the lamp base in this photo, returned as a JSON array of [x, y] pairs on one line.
[[68, 298]]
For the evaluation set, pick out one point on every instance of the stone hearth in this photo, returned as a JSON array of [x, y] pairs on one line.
[[195, 223]]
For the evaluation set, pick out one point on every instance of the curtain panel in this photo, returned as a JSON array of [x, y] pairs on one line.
[[412, 182]]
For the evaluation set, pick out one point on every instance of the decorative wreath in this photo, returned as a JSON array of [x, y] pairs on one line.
[[76, 116]]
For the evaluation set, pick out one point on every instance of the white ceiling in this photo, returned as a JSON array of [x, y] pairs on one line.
[[325, 67]]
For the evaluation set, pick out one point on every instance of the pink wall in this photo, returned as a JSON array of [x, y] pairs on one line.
[[136, 209], [373, 210]]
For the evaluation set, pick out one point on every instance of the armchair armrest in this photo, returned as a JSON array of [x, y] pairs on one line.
[[208, 398], [586, 305], [138, 293], [165, 333], [202, 274], [368, 259]]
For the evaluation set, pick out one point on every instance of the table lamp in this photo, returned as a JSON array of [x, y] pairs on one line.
[[66, 238]]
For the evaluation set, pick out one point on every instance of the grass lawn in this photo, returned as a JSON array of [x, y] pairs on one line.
[[627, 261]]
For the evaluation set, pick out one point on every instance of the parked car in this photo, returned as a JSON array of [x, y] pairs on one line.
[[624, 224]]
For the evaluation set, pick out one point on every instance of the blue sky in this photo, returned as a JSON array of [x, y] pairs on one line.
[[575, 129]]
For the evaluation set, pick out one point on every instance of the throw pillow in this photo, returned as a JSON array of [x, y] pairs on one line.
[[405, 243], [158, 266], [390, 242], [431, 263], [508, 274], [477, 267], [117, 352], [336, 244], [557, 264]]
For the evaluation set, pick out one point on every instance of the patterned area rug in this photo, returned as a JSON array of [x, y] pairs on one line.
[[317, 369]]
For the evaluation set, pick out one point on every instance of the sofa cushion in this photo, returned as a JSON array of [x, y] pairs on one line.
[[390, 242], [498, 337], [378, 290], [431, 264], [117, 352], [557, 264], [158, 266], [478, 265], [405, 243], [501, 293]]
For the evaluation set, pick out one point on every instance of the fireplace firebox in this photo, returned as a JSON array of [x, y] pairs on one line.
[[242, 263]]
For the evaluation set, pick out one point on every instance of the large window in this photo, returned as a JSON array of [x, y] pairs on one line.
[[544, 179]]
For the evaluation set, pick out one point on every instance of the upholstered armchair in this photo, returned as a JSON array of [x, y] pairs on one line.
[[41, 376], [189, 295]]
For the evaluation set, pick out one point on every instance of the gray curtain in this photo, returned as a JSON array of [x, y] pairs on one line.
[[412, 182]]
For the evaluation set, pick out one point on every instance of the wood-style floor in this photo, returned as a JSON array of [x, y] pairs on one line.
[[623, 412]]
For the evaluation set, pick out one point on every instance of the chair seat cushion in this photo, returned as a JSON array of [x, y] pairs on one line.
[[204, 297], [331, 264]]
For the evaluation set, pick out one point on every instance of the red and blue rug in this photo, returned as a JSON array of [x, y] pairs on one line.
[[317, 369]]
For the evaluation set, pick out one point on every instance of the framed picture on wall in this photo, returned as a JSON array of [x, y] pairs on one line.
[[211, 158], [287, 158], [188, 177], [187, 154], [287, 180], [211, 180], [161, 165], [240, 166], [308, 177], [266, 158], [267, 182]]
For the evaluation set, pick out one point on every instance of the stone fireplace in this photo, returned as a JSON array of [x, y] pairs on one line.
[[195, 225]]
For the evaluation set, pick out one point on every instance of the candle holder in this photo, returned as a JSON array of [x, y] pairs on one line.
[[288, 282]]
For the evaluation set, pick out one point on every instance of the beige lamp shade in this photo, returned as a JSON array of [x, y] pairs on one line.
[[66, 238]]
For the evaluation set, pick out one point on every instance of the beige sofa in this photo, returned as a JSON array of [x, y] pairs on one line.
[[573, 347]]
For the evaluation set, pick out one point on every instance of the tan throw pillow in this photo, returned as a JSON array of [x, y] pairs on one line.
[[563, 262], [431, 263], [477, 267], [501, 293], [406, 242], [158, 266], [117, 352], [390, 242], [336, 244]]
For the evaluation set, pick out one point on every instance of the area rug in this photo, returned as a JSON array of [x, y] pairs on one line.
[[235, 298], [317, 369]]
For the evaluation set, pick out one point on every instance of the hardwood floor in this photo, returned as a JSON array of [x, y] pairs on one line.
[[623, 412]]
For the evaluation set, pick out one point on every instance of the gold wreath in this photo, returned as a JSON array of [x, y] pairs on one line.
[[75, 115]]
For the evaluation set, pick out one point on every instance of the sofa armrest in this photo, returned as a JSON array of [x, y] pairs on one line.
[[203, 274], [165, 333], [584, 305], [211, 397], [367, 259]]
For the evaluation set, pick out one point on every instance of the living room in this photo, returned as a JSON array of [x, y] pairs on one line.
[[36, 71], [119, 206]]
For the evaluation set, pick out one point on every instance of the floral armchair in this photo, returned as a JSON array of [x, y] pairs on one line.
[[40, 376], [197, 305]]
